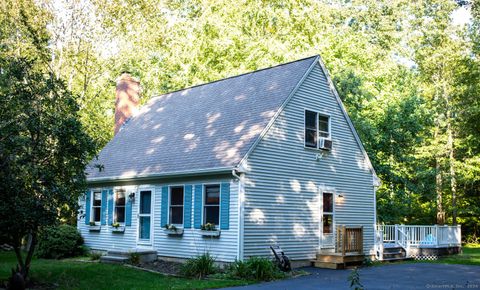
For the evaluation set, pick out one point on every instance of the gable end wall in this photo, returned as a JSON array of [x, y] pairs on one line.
[[283, 179]]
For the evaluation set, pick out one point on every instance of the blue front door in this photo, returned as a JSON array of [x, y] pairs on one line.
[[145, 216]]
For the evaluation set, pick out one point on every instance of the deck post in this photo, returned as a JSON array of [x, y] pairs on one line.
[[396, 234], [437, 243], [344, 240]]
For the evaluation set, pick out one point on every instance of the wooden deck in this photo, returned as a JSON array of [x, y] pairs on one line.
[[337, 260], [348, 250]]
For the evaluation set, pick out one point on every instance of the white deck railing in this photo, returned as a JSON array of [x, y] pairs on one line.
[[420, 236]]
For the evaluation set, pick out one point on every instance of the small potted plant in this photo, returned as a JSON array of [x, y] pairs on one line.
[[117, 228], [94, 227], [209, 230], [172, 230]]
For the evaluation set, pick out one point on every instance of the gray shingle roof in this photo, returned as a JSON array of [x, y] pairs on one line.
[[205, 127]]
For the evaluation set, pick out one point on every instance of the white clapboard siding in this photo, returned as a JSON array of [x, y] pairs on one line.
[[192, 244], [282, 195], [224, 248], [107, 240]]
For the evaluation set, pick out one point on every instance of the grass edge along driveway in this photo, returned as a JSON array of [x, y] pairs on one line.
[[70, 274]]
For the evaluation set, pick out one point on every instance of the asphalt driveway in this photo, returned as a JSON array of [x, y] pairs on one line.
[[395, 276]]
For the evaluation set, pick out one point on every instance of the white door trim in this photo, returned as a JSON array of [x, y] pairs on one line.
[[322, 238], [144, 242]]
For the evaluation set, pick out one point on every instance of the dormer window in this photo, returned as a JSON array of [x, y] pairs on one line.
[[316, 126]]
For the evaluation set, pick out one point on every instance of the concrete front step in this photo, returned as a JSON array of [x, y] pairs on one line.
[[122, 256], [113, 259]]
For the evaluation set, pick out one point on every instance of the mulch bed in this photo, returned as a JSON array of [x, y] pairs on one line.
[[161, 266]]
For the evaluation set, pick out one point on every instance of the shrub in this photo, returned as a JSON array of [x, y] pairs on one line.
[[134, 258], [199, 267], [239, 269], [255, 268], [60, 242], [94, 256]]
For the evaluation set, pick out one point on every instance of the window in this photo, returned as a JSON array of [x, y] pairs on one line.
[[211, 212], [327, 213], [316, 126], [119, 216], [96, 206], [176, 205]]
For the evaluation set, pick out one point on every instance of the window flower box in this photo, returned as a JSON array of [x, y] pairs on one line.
[[209, 230], [94, 228], [212, 234], [119, 229], [172, 230], [177, 232]]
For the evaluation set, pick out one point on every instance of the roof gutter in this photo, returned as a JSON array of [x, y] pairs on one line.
[[144, 177]]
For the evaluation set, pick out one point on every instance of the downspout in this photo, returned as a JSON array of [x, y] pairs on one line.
[[240, 210], [378, 237]]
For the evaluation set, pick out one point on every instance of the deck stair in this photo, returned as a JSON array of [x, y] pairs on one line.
[[122, 256], [348, 249], [394, 254], [337, 260]]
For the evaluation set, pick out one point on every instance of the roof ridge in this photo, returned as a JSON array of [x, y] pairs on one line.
[[235, 76]]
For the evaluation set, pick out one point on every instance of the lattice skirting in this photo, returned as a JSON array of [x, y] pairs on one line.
[[425, 258], [432, 253]]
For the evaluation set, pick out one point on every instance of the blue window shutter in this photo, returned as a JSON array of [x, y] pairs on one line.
[[164, 214], [225, 206], [187, 207], [103, 215], [128, 212], [197, 215], [88, 195], [110, 206]]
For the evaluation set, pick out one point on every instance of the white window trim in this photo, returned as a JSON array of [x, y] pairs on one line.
[[92, 213], [170, 205], [204, 195], [317, 127], [114, 212]]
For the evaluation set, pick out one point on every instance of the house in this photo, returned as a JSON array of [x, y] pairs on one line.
[[268, 157]]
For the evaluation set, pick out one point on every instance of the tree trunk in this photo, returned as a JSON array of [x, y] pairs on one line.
[[438, 185], [451, 162], [28, 259]]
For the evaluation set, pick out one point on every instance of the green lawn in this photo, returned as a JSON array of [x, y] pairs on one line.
[[69, 274], [470, 256]]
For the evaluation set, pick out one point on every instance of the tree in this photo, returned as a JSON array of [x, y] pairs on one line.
[[43, 147], [406, 73]]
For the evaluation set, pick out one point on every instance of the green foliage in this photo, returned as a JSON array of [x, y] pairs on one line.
[[354, 279], [170, 227], [255, 268], [208, 227], [134, 258], [74, 275], [240, 269], [388, 59], [43, 146], [199, 267], [94, 256], [60, 242], [406, 73], [367, 262]]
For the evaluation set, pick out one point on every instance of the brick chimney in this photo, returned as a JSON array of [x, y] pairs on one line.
[[127, 98]]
